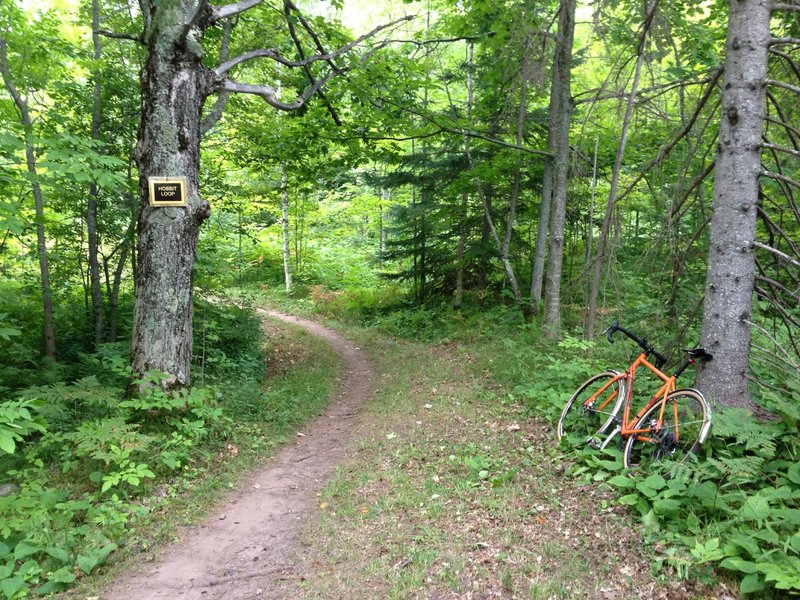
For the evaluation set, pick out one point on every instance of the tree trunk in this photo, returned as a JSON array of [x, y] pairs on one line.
[[602, 241], [287, 260], [730, 278], [174, 85], [540, 253], [94, 190], [561, 107], [38, 201], [458, 297]]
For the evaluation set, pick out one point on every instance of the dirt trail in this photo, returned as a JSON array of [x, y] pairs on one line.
[[246, 549]]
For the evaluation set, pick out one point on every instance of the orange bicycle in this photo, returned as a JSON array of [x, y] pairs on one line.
[[671, 426]]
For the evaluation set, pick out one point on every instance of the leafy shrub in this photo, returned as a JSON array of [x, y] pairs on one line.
[[18, 418], [737, 506]]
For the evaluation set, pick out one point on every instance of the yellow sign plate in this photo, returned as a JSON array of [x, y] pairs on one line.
[[167, 191]]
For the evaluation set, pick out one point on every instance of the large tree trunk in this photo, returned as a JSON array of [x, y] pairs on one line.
[[94, 190], [731, 258], [174, 85], [38, 201], [561, 107]]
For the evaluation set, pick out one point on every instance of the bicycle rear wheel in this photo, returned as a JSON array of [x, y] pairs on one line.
[[592, 409], [685, 426]]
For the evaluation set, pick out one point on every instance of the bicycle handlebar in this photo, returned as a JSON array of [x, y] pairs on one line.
[[661, 360]]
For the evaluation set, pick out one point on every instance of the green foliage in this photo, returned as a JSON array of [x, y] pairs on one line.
[[736, 507], [18, 418]]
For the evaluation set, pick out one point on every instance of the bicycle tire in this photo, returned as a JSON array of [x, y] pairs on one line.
[[674, 442], [588, 425]]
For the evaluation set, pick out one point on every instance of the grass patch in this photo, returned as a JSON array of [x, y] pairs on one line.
[[458, 489]]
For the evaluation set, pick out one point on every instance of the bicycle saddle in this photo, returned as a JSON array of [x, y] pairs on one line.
[[699, 354]]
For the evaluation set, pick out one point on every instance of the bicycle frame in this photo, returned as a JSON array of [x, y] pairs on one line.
[[625, 427]]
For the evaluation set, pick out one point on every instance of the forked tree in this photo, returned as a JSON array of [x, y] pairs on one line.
[[175, 84]]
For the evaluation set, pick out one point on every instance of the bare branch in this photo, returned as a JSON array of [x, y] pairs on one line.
[[667, 148], [215, 115], [789, 7], [120, 36], [783, 255], [692, 186], [273, 54], [779, 286], [781, 149], [779, 177], [624, 94], [287, 9], [784, 40], [788, 59], [229, 10], [786, 86], [269, 93], [774, 341]]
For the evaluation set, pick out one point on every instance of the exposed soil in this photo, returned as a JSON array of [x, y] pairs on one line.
[[248, 546]]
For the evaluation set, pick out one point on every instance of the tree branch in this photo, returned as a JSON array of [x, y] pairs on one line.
[[667, 148], [120, 36], [215, 115], [229, 10], [784, 40], [287, 8], [273, 54], [788, 59], [786, 86], [783, 255], [789, 7], [268, 93], [781, 149], [778, 177]]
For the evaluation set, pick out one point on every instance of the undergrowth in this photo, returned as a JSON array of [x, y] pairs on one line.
[[733, 512], [87, 471]]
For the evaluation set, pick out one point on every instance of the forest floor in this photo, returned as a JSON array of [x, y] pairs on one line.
[[422, 479]]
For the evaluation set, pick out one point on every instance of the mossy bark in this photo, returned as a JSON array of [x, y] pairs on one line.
[[174, 85]]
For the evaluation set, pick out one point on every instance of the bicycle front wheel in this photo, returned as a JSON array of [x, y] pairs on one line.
[[685, 426], [592, 409]]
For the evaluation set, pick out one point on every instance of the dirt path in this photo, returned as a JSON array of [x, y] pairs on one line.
[[246, 549]]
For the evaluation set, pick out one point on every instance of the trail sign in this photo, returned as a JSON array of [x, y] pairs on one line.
[[167, 191]]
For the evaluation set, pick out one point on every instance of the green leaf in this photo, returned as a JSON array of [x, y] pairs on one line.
[[655, 482], [12, 585], [622, 481], [751, 583], [794, 473], [629, 499], [755, 508], [7, 442], [650, 521], [87, 563], [666, 506], [63, 575], [58, 553], [738, 564], [24, 549], [4, 549]]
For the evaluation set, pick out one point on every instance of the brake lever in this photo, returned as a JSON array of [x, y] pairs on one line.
[[610, 331]]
